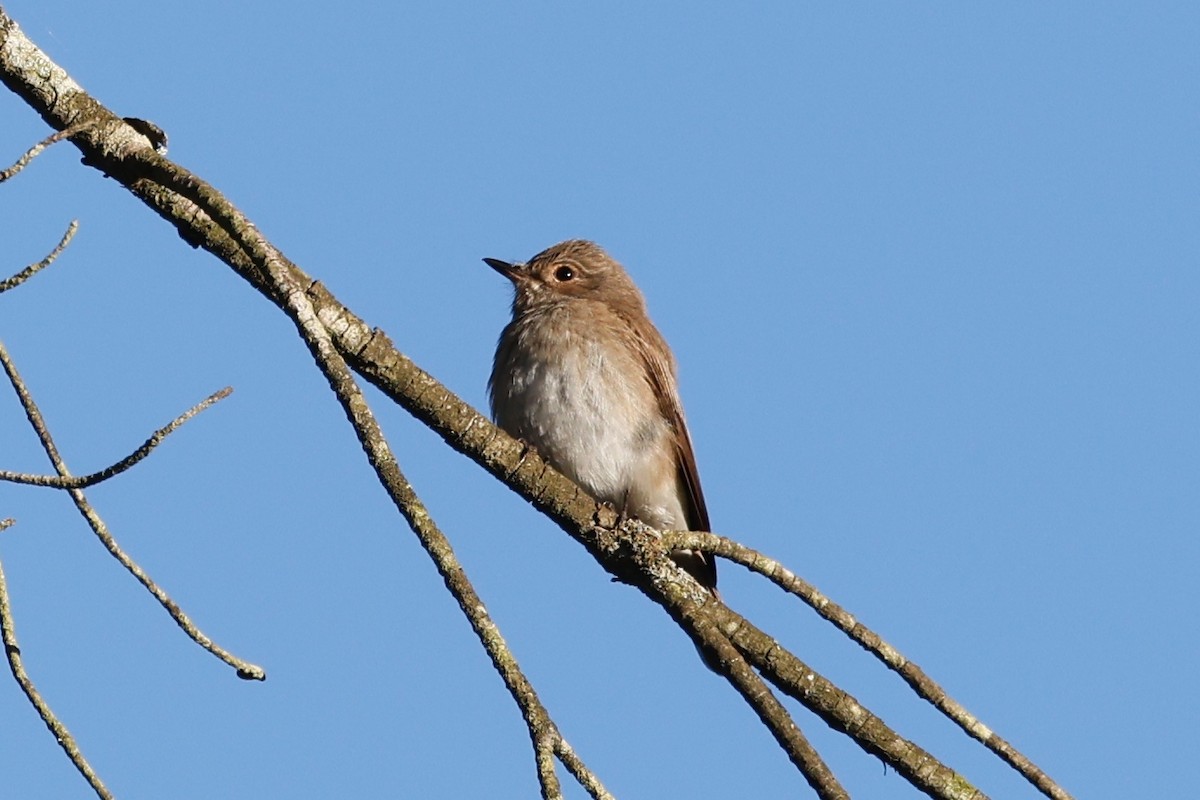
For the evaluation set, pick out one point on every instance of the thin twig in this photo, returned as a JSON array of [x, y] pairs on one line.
[[83, 481], [60, 732], [245, 669], [37, 149], [873, 643], [33, 269]]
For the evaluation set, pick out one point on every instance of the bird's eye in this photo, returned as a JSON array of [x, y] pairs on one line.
[[564, 274]]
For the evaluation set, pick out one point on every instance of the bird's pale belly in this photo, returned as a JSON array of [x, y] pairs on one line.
[[582, 414]]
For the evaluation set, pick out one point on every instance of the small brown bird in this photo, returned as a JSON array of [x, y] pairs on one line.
[[584, 376]]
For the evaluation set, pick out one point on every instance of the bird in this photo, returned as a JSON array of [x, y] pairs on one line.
[[583, 375]]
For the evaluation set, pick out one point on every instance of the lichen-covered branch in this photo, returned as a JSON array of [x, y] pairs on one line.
[[738, 671]]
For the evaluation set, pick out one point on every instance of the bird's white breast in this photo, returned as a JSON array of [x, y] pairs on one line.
[[583, 400]]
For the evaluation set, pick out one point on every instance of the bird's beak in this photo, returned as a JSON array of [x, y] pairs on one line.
[[510, 271]]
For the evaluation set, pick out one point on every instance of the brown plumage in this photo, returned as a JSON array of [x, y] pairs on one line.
[[584, 376]]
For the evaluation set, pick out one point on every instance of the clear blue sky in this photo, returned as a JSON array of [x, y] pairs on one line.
[[930, 271]]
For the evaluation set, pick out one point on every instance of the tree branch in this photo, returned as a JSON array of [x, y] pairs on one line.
[[245, 669], [206, 219], [627, 550], [870, 641], [62, 735], [296, 304], [37, 149], [33, 269], [83, 481], [739, 673]]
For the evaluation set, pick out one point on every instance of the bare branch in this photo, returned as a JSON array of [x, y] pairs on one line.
[[634, 557], [464, 429], [574, 764], [206, 219], [772, 713], [37, 149], [840, 710], [33, 269], [296, 303], [62, 735], [870, 641], [245, 669], [83, 481]]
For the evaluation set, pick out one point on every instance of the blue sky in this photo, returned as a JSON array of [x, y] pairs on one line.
[[930, 272]]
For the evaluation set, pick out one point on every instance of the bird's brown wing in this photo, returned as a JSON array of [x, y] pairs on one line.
[[661, 371]]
